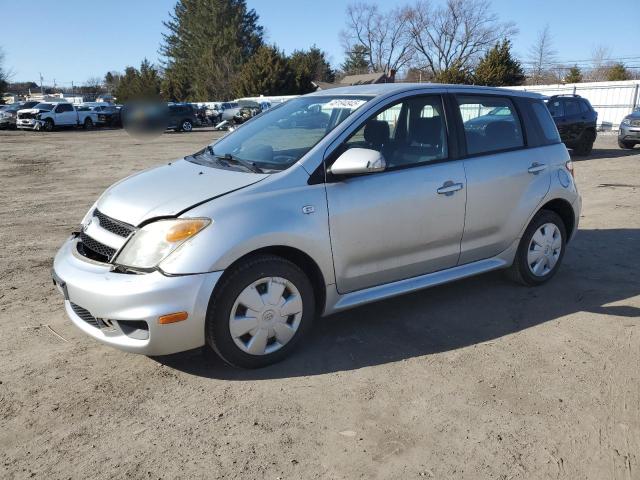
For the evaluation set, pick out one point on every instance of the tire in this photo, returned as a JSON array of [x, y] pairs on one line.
[[262, 274], [522, 271], [88, 124], [585, 144], [49, 125], [626, 145], [186, 126]]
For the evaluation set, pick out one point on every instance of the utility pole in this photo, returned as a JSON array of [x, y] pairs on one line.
[[41, 85]]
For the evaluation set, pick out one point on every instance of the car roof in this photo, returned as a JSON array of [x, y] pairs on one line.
[[383, 89]]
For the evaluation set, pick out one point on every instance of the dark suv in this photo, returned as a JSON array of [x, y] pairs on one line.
[[576, 121], [182, 117]]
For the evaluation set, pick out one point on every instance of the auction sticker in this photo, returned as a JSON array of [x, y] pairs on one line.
[[345, 103]]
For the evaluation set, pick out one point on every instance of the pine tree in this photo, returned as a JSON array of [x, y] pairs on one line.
[[618, 72], [308, 66], [498, 68], [574, 75], [3, 77], [207, 43], [143, 84], [356, 61], [454, 74], [268, 73]]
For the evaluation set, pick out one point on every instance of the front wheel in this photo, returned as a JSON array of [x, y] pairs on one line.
[[48, 125], [540, 251], [626, 145], [261, 311], [88, 124], [186, 126]]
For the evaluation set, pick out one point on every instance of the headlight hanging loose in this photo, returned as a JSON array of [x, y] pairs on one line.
[[156, 241]]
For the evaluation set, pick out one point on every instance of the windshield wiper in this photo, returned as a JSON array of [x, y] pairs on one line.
[[227, 157]]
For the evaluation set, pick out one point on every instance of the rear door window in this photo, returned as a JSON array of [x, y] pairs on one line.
[[491, 123], [571, 107]]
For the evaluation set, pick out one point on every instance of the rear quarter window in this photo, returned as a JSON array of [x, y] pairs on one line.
[[546, 123]]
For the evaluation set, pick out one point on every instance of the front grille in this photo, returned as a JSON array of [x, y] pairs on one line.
[[27, 115], [85, 315], [114, 226], [94, 250]]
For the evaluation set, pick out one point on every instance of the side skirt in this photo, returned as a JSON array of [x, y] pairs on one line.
[[337, 302]]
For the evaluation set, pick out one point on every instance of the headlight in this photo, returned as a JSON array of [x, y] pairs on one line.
[[154, 242], [626, 122]]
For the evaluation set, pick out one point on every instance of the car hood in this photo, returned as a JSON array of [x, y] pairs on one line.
[[633, 116], [169, 190], [32, 110]]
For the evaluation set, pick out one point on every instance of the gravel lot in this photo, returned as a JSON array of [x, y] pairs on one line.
[[477, 379]]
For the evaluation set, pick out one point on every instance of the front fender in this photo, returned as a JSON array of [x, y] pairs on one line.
[[255, 218]]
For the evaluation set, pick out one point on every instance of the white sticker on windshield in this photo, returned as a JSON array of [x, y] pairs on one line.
[[345, 103]]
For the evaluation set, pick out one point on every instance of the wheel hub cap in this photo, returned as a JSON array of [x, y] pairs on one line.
[[265, 316], [544, 249]]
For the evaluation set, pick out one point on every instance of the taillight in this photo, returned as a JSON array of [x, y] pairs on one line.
[[569, 166]]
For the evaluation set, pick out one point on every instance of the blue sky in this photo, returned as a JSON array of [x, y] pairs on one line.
[[74, 40]]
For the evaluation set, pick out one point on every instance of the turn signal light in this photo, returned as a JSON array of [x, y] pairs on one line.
[[184, 230], [173, 318]]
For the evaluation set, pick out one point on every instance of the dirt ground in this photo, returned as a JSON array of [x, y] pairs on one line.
[[480, 379]]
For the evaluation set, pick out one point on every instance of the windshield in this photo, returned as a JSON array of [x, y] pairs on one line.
[[44, 106], [278, 138]]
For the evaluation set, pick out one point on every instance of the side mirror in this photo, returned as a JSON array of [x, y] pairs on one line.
[[357, 161]]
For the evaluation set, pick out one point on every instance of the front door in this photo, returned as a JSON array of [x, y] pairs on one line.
[[404, 221]]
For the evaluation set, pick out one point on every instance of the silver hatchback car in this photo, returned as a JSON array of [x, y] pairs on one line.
[[373, 191]]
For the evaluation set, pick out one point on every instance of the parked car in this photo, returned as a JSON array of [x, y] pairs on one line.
[[241, 244], [576, 121], [228, 110], [107, 114], [9, 113], [629, 132], [181, 117], [48, 116]]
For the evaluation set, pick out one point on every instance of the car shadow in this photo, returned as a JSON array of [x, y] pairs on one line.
[[602, 153], [599, 269]]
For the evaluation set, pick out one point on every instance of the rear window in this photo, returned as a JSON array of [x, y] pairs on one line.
[[491, 124], [547, 125]]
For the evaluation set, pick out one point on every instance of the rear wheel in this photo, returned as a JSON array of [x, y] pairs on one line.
[[186, 126], [260, 312], [585, 143], [540, 251], [626, 145]]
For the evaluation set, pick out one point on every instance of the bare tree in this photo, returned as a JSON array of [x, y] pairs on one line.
[[542, 57], [601, 63], [383, 35], [454, 35], [4, 76]]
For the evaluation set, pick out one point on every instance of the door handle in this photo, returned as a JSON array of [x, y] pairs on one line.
[[449, 188], [536, 168]]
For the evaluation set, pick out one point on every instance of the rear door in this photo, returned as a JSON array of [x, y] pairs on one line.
[[505, 180], [574, 118], [404, 221]]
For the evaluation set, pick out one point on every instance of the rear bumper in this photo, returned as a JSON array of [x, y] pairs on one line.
[[111, 303]]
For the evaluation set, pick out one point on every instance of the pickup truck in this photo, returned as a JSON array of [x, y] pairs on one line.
[[48, 116]]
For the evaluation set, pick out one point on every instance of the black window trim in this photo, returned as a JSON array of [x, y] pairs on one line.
[[460, 124], [337, 151]]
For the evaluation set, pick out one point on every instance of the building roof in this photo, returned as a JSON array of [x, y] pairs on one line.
[[365, 79]]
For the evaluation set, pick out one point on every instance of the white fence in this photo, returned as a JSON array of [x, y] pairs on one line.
[[612, 100]]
